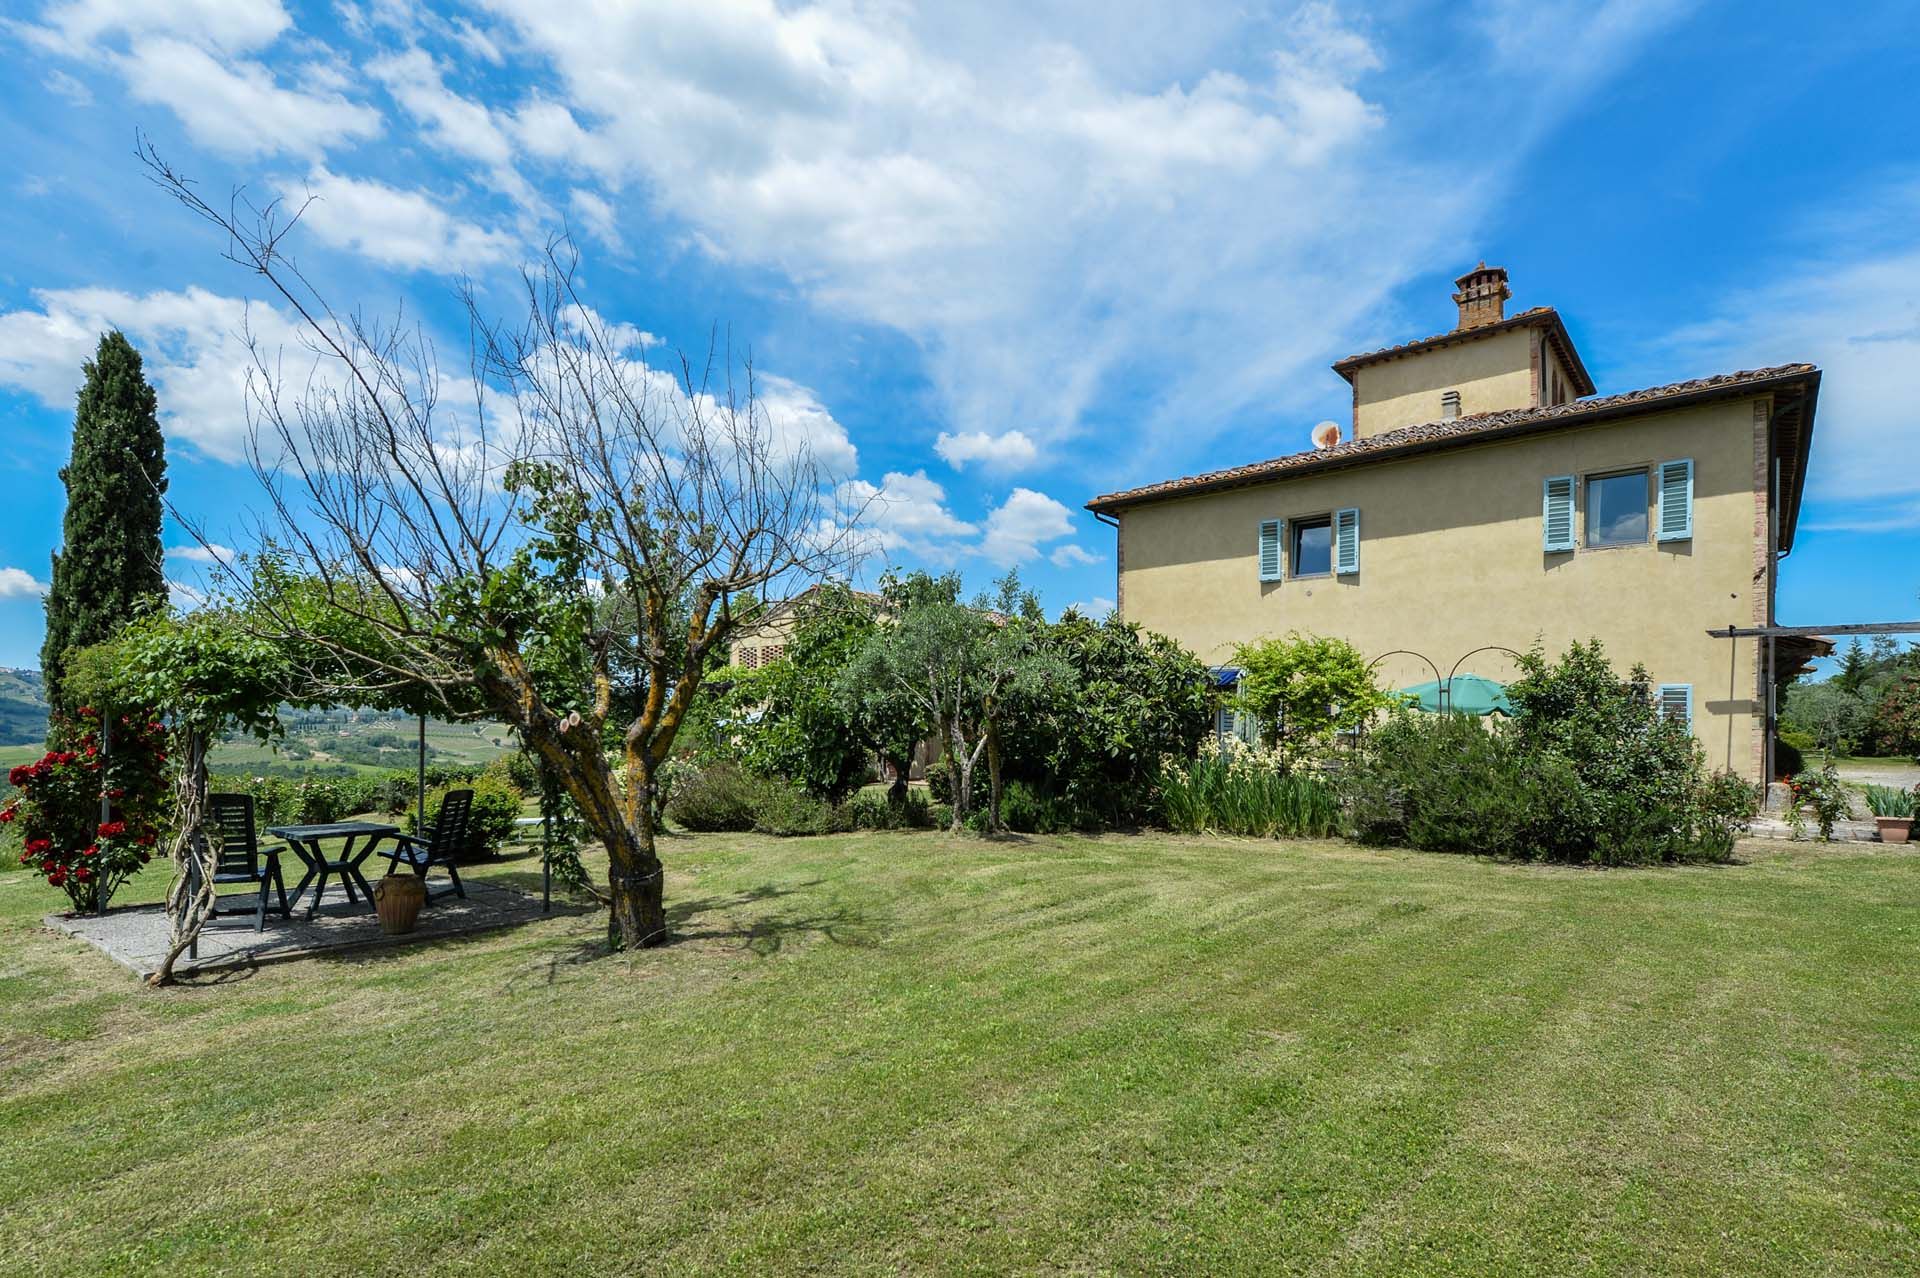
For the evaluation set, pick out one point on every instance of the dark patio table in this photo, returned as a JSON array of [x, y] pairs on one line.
[[306, 840]]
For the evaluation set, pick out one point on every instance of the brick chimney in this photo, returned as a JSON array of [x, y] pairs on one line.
[[1482, 297]]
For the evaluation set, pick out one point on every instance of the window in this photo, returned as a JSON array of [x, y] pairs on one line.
[[1676, 703], [1449, 405], [1617, 509], [1268, 557], [1313, 547]]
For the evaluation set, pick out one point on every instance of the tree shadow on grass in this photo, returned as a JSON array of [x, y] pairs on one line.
[[713, 918]]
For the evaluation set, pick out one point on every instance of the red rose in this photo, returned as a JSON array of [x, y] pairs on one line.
[[38, 846], [57, 877], [145, 857], [83, 874], [111, 829], [86, 712], [19, 775], [92, 851], [118, 792], [48, 867]]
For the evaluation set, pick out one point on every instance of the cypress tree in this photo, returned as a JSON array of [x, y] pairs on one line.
[[110, 558]]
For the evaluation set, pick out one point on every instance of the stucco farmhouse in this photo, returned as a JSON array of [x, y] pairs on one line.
[[1483, 495]]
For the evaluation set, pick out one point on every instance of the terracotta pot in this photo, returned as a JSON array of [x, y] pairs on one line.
[[1893, 829], [398, 898]]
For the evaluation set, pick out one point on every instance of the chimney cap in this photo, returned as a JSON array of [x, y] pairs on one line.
[[1483, 296]]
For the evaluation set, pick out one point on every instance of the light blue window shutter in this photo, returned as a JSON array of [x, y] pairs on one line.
[[1556, 513], [1676, 702], [1676, 500], [1346, 541], [1271, 533]]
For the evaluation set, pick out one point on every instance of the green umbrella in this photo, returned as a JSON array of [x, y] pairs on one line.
[[1467, 693]]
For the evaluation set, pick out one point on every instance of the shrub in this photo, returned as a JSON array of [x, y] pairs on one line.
[[1305, 689], [56, 811], [493, 820], [939, 815], [1825, 795], [1638, 773], [720, 797], [783, 809], [1029, 810], [1725, 810], [1243, 791], [874, 809], [1450, 783]]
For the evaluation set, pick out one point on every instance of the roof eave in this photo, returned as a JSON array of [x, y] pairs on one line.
[[1414, 448]]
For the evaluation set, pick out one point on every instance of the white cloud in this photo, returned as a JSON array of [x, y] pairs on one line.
[[395, 227], [1095, 609], [191, 342], [1018, 525], [798, 423], [192, 57], [906, 512], [1849, 302], [18, 583], [596, 214], [1182, 206], [1072, 555], [211, 553], [59, 82], [1008, 451]]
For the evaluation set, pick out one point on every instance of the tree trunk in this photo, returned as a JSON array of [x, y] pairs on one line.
[[902, 768], [993, 780], [190, 894], [959, 777]]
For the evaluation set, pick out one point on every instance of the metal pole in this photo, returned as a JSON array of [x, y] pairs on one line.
[[106, 804], [420, 793], [546, 856]]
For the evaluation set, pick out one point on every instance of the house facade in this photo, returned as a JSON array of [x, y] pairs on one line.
[[1482, 498]]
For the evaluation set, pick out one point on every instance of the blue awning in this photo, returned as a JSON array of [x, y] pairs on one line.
[[1224, 676]]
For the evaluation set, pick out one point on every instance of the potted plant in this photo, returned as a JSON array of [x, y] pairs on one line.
[[1892, 812]]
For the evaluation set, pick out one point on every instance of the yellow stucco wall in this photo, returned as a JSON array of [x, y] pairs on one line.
[[1491, 373], [1451, 558]]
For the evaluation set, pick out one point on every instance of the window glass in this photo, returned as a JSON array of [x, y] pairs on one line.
[[1617, 509], [1312, 546]]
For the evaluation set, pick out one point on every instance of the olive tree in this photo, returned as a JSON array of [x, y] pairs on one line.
[[465, 554]]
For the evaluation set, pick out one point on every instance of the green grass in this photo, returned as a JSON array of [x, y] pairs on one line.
[[876, 1054]]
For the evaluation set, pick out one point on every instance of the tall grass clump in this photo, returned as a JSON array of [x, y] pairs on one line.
[[1242, 791]]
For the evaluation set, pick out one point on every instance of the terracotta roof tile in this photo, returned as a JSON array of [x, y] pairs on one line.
[[1463, 430], [1516, 320]]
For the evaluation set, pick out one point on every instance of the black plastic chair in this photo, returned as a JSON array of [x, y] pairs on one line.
[[444, 841], [239, 858]]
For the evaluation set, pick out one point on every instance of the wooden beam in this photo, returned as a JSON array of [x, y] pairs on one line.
[[1817, 632]]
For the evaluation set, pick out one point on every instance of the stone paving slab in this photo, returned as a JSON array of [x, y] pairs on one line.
[[135, 936]]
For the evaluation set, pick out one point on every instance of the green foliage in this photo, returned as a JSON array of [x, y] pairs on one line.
[[1304, 689], [1723, 813], [1241, 791], [1093, 744], [1454, 783], [1032, 810], [874, 809], [1895, 725], [719, 797], [1588, 771], [1638, 774], [205, 670], [791, 719], [1889, 801], [57, 807], [1823, 794], [109, 566], [726, 797]]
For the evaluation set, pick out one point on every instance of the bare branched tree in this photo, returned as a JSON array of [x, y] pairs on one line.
[[462, 561]]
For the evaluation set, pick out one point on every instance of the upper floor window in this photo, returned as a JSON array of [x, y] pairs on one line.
[[1617, 509], [1313, 546]]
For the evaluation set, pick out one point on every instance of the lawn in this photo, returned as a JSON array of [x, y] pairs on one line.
[[909, 1053]]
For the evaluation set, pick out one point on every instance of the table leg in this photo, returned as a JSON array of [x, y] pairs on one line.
[[312, 864]]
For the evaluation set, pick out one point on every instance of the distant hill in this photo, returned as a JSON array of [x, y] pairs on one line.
[[23, 707]]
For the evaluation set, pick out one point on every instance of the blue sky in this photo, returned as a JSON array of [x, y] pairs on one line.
[[993, 260]]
